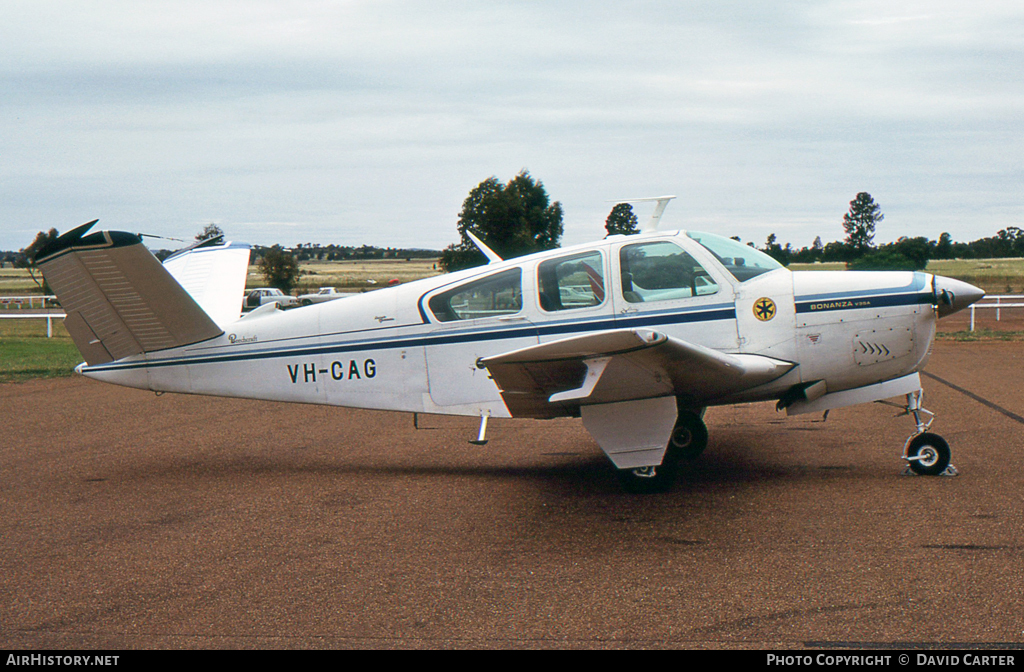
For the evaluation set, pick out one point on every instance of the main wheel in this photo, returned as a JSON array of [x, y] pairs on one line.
[[928, 454], [689, 438], [646, 480]]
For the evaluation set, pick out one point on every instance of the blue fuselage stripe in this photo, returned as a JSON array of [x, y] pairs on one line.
[[861, 302], [436, 338]]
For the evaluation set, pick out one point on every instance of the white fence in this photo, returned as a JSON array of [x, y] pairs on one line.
[[22, 301], [49, 317], [1000, 302]]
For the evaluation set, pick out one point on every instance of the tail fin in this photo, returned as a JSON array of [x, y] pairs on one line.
[[120, 301], [213, 273]]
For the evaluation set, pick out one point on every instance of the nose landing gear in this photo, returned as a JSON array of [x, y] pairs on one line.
[[926, 454]]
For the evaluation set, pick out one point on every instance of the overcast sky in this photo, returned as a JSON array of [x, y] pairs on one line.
[[370, 121]]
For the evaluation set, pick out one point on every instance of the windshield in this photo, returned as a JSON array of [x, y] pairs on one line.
[[743, 261]]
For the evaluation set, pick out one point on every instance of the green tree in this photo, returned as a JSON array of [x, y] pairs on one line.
[[859, 223], [279, 268], [906, 254], [1012, 238], [621, 221], [26, 257], [944, 248], [513, 219], [783, 255], [211, 230], [838, 251], [883, 259]]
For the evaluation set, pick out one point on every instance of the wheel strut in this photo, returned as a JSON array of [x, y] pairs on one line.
[[915, 408]]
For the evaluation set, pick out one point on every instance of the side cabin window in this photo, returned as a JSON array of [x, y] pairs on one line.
[[567, 283], [499, 294], [661, 271]]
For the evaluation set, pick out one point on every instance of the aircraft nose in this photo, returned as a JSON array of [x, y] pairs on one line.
[[953, 295]]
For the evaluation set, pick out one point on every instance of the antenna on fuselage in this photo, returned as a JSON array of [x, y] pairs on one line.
[[659, 209], [492, 258]]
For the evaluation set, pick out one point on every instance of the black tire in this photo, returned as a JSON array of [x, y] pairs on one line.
[[307, 302], [932, 452], [689, 438]]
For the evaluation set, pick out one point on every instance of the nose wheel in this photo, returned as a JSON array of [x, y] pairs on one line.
[[927, 454]]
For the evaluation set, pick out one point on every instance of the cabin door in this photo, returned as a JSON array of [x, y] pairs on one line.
[[477, 319]]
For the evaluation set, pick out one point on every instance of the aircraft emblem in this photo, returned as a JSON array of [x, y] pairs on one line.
[[764, 309]]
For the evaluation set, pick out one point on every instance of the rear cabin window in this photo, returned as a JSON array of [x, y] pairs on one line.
[[572, 282], [662, 271], [495, 295]]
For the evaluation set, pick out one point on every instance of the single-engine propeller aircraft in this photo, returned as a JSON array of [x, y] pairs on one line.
[[637, 335]]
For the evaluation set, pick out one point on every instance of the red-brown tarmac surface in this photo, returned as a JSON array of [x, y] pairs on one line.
[[136, 521]]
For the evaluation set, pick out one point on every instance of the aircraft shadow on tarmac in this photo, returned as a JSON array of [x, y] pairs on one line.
[[729, 460]]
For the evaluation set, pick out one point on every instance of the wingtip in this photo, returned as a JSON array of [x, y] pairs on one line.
[[65, 240]]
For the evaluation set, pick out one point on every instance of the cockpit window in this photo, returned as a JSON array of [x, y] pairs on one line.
[[743, 261], [661, 271], [499, 294]]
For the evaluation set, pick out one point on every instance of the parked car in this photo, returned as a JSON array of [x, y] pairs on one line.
[[325, 294], [261, 296]]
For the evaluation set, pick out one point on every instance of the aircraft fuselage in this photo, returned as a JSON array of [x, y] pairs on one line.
[[417, 347]]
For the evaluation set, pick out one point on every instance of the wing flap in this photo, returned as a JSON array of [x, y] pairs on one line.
[[622, 365]]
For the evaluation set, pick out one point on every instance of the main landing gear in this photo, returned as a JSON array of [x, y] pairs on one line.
[[689, 439], [926, 454]]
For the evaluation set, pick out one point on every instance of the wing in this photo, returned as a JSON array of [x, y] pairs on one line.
[[552, 379]]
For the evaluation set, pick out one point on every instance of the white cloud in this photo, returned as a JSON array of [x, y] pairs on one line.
[[369, 122]]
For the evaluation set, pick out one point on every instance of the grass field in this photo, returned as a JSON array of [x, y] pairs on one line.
[[26, 352], [995, 276], [16, 281], [345, 275], [353, 275], [981, 334]]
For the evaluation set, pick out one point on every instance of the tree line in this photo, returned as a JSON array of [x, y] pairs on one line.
[[518, 217], [859, 252], [1008, 242]]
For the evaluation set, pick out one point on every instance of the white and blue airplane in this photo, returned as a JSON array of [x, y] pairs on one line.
[[637, 335]]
